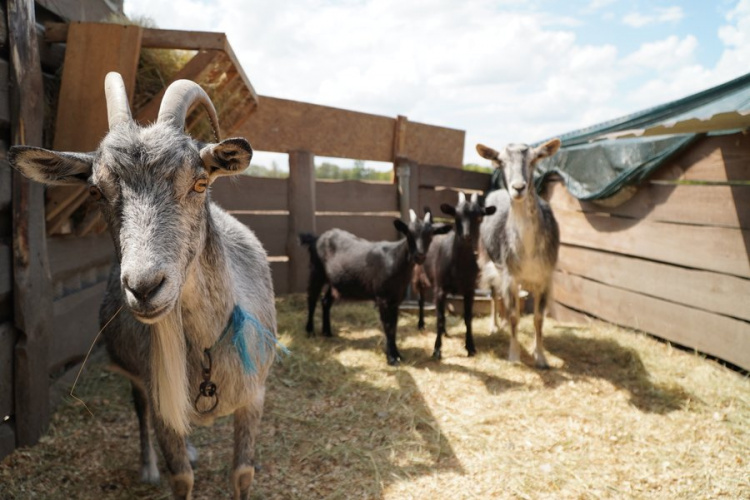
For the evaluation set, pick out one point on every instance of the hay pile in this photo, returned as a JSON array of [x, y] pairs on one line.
[[618, 416]]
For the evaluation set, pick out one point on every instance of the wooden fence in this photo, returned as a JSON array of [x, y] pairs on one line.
[[673, 260]]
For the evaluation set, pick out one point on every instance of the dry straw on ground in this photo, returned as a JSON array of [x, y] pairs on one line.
[[619, 415]]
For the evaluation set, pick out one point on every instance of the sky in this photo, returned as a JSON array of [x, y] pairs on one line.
[[504, 70]]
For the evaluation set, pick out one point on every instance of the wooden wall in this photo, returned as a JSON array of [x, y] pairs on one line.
[[673, 260]]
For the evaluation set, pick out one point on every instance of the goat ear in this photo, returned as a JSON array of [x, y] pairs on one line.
[[547, 149], [489, 210], [487, 152], [229, 157], [51, 167], [401, 227], [441, 228], [447, 209]]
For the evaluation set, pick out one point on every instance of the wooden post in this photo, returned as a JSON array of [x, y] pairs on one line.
[[301, 199], [32, 289], [407, 172], [399, 144]]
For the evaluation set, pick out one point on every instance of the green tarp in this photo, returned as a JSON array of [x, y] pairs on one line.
[[594, 168]]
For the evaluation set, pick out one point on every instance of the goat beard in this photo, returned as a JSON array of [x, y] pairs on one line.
[[169, 380]]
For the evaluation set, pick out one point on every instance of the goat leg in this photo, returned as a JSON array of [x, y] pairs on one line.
[[314, 287], [514, 313], [246, 426], [420, 324], [440, 311], [540, 304], [327, 302], [389, 319], [174, 449], [468, 313], [149, 470]]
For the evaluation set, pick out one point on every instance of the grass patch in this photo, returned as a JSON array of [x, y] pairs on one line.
[[619, 415]]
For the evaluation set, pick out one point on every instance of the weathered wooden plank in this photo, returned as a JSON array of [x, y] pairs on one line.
[[701, 247], [356, 196], [243, 192], [437, 176], [369, 227], [271, 229], [8, 338], [720, 336], [715, 159], [302, 201], [57, 223], [711, 205], [93, 50], [154, 38], [280, 275], [717, 293], [70, 255], [432, 145], [75, 326], [59, 198], [32, 290], [281, 125], [5, 179]]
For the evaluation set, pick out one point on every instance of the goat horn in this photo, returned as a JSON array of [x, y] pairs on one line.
[[118, 108], [461, 197], [412, 215], [177, 101], [474, 197]]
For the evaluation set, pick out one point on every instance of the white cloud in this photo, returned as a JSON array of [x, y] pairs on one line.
[[658, 16], [502, 72], [599, 4]]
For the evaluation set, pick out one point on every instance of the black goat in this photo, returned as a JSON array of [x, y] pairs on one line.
[[451, 267], [358, 269]]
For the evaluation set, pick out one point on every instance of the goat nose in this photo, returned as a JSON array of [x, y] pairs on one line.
[[518, 186], [144, 286]]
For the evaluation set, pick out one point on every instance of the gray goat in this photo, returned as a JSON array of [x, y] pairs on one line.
[[520, 242], [187, 274]]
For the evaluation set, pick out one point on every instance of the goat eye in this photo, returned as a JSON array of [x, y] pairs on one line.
[[200, 185], [95, 192]]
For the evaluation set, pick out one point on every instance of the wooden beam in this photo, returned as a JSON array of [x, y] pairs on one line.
[[57, 223], [723, 337], [191, 71], [356, 196], [434, 176], [302, 206], [243, 192], [370, 227], [32, 290], [153, 38], [93, 51]]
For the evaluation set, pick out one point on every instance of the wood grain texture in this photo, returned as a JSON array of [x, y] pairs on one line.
[[8, 337], [70, 255], [243, 192], [280, 275], [432, 145], [720, 336], [716, 159], [83, 10], [7, 439], [713, 292], [709, 248], [356, 196], [32, 290], [93, 50]]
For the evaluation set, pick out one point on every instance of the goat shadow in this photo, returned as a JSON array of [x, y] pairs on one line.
[[607, 359]]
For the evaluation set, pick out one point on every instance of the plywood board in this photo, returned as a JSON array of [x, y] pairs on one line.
[[713, 292], [282, 125], [243, 192], [723, 337], [280, 275], [701, 247], [356, 196], [714, 159], [93, 50]]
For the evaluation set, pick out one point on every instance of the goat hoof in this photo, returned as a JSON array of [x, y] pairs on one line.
[[420, 326], [150, 474], [437, 355], [471, 352], [393, 361]]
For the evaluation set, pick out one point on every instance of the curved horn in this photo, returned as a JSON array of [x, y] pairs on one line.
[[461, 197], [177, 101], [118, 108], [474, 198], [412, 215]]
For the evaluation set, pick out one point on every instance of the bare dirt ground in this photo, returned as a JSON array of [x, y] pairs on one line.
[[619, 415]]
